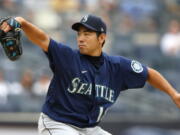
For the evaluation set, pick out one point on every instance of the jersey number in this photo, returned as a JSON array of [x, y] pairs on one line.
[[101, 112]]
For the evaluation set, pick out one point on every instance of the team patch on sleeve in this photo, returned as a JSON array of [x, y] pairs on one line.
[[136, 66]]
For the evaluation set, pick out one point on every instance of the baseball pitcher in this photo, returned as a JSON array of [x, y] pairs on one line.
[[87, 81]]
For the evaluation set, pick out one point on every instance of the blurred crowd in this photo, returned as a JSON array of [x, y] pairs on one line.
[[146, 30], [24, 95]]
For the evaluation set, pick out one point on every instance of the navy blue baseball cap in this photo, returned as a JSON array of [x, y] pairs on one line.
[[91, 22]]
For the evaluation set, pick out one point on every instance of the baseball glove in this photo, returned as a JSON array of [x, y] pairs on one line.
[[11, 41]]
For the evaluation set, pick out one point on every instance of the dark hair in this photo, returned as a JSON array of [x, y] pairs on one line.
[[98, 34]]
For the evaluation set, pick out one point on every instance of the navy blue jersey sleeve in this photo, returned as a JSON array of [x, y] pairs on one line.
[[59, 54], [134, 73]]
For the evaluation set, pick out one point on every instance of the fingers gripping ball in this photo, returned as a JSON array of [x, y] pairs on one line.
[[11, 41]]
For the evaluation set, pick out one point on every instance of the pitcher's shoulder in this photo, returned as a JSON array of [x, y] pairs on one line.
[[114, 58]]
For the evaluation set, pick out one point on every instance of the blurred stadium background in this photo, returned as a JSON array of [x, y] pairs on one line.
[[137, 29]]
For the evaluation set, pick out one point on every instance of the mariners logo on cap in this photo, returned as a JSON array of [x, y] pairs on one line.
[[85, 18], [136, 66], [102, 30]]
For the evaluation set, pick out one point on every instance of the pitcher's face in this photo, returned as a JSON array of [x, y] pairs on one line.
[[88, 42]]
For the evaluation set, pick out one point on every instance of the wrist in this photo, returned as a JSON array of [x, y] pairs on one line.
[[20, 20]]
